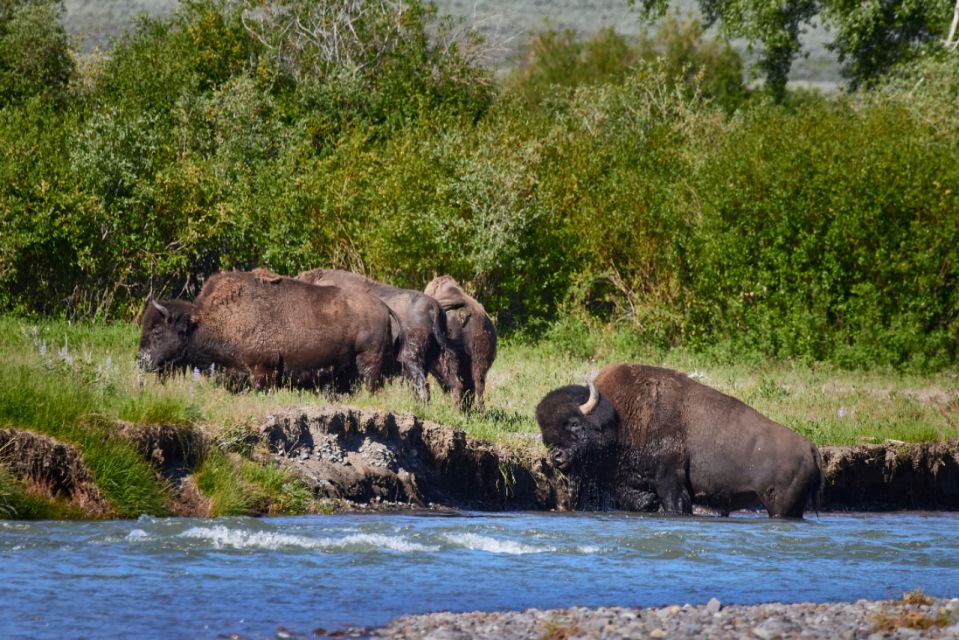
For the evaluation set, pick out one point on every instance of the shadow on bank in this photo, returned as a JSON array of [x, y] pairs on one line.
[[356, 459]]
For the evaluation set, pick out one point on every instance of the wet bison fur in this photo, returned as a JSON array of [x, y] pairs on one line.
[[641, 429]]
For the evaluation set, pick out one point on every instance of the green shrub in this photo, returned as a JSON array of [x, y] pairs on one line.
[[829, 232], [553, 59], [35, 55]]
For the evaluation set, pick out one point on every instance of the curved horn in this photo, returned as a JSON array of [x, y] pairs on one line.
[[159, 307], [593, 399]]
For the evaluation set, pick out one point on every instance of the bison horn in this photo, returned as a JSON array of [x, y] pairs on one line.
[[593, 399], [159, 307]]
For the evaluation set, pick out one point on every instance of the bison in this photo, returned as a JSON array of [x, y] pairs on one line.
[[644, 429], [421, 318], [468, 325], [272, 329]]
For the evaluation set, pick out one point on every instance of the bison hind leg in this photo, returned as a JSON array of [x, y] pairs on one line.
[[370, 368], [788, 503]]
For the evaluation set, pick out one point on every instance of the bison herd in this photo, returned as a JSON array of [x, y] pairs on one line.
[[324, 329], [651, 438]]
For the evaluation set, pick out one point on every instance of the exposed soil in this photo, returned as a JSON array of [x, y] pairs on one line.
[[892, 476], [174, 451], [370, 459], [56, 470], [52, 468]]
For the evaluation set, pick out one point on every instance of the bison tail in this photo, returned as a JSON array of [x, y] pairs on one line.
[[399, 336], [819, 483], [441, 333]]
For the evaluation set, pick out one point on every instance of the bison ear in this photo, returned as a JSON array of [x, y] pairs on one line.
[[183, 323]]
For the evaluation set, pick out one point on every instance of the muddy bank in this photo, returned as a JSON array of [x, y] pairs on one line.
[[892, 476], [369, 457], [53, 469], [366, 457]]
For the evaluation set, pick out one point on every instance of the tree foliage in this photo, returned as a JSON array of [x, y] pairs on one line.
[[34, 52], [871, 37], [631, 182]]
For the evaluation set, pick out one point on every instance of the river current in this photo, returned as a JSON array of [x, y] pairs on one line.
[[190, 578]]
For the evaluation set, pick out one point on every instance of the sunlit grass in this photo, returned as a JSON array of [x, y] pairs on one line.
[[238, 486], [827, 404]]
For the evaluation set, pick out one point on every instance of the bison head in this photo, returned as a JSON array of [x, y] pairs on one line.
[[165, 334], [577, 424]]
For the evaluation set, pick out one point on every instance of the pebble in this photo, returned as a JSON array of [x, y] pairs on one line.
[[861, 620]]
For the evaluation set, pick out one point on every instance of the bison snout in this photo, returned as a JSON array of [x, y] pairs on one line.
[[561, 458], [145, 362]]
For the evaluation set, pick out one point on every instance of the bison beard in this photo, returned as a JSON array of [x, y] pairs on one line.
[[643, 429]]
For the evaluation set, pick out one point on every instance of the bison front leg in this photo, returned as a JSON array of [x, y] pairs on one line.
[[413, 358], [672, 486]]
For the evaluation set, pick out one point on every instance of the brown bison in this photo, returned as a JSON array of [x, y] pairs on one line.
[[272, 329], [468, 325], [421, 318], [645, 429]]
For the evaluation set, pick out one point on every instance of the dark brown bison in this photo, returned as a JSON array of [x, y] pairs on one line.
[[645, 429], [421, 318], [468, 325], [272, 329]]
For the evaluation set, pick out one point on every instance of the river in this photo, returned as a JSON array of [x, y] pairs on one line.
[[191, 578]]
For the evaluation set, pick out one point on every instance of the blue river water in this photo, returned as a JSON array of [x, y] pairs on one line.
[[189, 578]]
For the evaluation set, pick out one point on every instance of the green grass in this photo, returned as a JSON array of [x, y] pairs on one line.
[[18, 501], [238, 486], [75, 393], [828, 404]]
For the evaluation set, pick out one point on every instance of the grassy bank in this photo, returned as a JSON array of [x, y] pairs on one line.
[[827, 404], [73, 381]]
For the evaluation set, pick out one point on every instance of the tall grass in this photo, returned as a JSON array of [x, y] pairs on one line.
[[822, 401]]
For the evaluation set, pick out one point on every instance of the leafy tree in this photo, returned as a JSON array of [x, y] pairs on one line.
[[871, 36], [34, 51]]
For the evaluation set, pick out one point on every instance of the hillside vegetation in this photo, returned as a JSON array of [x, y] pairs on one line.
[[633, 183]]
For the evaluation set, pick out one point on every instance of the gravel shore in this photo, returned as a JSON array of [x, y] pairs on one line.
[[915, 616]]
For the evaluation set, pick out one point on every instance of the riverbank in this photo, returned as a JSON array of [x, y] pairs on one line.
[[343, 458], [914, 616], [187, 446]]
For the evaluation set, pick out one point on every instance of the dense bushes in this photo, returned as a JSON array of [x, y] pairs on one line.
[[652, 193]]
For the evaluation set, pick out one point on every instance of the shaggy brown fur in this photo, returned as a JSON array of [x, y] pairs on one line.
[[421, 318], [274, 329], [469, 325], [683, 440]]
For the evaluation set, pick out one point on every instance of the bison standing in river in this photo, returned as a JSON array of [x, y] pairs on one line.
[[421, 318], [644, 429], [473, 333], [271, 329]]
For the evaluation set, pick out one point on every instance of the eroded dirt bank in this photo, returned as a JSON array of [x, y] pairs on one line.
[[363, 458], [368, 456]]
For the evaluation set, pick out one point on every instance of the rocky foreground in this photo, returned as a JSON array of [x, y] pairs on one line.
[[915, 616]]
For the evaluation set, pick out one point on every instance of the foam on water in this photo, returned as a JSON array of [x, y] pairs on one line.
[[212, 578], [477, 542], [223, 537], [138, 535]]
